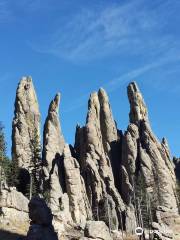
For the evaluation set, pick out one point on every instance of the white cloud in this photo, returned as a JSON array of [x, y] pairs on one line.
[[117, 29]]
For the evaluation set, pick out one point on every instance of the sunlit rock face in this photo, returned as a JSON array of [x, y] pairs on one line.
[[53, 169], [78, 201], [26, 123], [14, 211], [150, 156], [146, 165], [62, 181], [93, 147]]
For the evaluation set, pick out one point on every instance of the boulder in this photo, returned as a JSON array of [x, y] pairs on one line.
[[14, 211], [97, 230], [11, 198]]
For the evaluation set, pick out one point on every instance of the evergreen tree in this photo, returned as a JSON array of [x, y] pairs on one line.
[[141, 201], [14, 174], [5, 163], [35, 167]]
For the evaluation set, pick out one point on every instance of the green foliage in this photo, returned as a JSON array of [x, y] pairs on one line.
[[14, 174], [7, 168], [2, 140], [46, 195], [141, 201], [5, 162], [34, 185]]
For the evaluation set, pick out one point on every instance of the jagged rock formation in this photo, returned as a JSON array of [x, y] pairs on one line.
[[25, 133], [93, 147], [26, 123], [143, 156], [102, 180], [53, 169], [151, 156], [62, 179]]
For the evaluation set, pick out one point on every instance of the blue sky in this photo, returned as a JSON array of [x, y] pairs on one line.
[[76, 46]]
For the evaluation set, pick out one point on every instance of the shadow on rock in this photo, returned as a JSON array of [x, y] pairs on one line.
[[5, 235], [41, 227]]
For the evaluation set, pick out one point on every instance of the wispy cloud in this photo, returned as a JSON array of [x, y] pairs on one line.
[[168, 58], [117, 29], [135, 30], [132, 75]]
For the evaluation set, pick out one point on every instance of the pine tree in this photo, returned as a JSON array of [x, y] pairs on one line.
[[5, 163], [140, 200], [34, 169], [14, 174]]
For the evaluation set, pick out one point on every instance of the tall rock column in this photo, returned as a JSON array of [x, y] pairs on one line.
[[25, 127], [53, 169], [107, 123]]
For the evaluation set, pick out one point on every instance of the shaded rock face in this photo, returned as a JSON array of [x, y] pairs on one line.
[[26, 123], [41, 227], [177, 167], [53, 145], [93, 147]]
